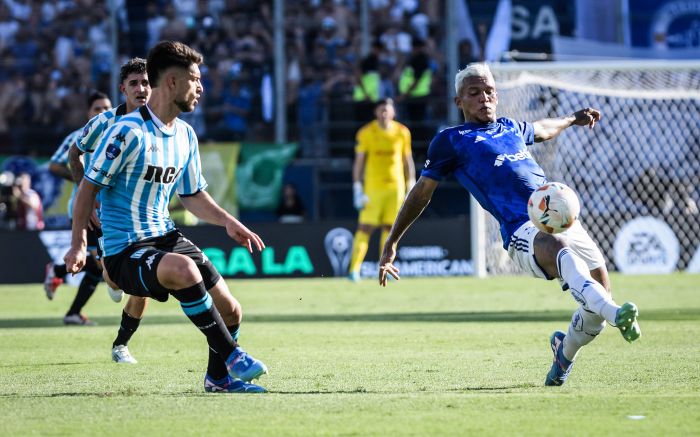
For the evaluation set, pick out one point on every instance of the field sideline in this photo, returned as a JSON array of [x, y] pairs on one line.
[[448, 356]]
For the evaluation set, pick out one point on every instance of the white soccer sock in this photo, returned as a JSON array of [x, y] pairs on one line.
[[584, 289], [584, 327]]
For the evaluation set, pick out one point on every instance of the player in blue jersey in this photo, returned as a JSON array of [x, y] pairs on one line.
[[133, 83], [489, 157], [140, 161], [55, 273]]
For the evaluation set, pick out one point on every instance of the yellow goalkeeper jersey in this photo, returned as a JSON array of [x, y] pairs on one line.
[[384, 151]]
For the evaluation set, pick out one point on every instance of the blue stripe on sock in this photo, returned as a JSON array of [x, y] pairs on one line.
[[195, 302], [198, 307]]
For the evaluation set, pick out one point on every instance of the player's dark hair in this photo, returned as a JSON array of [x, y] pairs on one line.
[[384, 101], [95, 95], [168, 54], [134, 65]]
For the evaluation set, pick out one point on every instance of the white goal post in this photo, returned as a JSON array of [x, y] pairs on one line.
[[641, 162]]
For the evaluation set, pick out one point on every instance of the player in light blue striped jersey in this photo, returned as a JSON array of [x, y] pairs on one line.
[[133, 83], [55, 273], [139, 162]]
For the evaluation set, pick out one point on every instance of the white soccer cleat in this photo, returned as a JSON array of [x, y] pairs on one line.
[[121, 355], [115, 295]]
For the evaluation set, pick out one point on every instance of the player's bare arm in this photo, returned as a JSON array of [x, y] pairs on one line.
[[415, 203], [409, 171], [82, 209], [76, 163], [205, 208], [548, 128], [77, 170], [60, 170]]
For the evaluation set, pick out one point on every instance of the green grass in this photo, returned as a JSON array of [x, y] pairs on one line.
[[420, 357]]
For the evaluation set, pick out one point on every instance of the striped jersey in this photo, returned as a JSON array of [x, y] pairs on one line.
[[93, 130], [493, 163], [139, 162], [61, 157]]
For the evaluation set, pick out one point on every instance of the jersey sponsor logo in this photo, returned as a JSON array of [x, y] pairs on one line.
[[427, 163], [464, 132], [520, 156], [153, 148], [112, 151], [479, 138], [162, 175], [102, 173]]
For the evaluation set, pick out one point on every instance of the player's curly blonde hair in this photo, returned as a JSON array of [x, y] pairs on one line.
[[478, 69]]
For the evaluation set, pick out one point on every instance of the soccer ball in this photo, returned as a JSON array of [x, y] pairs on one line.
[[553, 207]]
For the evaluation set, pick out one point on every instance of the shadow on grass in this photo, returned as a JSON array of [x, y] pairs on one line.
[[442, 317]]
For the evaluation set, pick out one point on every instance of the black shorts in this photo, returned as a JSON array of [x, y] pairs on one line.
[[134, 268]]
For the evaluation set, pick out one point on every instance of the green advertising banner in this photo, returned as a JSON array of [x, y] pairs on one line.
[[219, 162], [259, 175]]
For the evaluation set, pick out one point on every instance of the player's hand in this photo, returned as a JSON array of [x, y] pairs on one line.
[[359, 198], [385, 265], [244, 236], [75, 260], [586, 117]]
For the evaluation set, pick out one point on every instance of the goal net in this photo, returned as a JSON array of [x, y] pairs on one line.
[[636, 173]]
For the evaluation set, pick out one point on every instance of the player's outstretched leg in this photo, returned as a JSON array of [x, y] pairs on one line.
[[626, 322], [230, 385], [561, 366], [593, 297]]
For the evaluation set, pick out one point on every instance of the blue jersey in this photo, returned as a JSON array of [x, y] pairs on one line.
[[493, 163], [61, 157], [139, 162]]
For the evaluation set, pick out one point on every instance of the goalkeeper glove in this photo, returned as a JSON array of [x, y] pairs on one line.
[[359, 198]]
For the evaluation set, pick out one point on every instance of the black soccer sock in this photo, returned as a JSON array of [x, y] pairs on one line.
[[197, 305], [92, 266], [85, 290], [216, 367], [128, 326], [59, 270]]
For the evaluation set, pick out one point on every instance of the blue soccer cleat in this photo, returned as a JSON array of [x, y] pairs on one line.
[[242, 366], [561, 366], [230, 385]]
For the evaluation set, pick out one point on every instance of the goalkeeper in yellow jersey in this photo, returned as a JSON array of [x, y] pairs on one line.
[[382, 175]]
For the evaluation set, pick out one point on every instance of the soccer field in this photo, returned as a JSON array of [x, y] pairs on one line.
[[457, 356]]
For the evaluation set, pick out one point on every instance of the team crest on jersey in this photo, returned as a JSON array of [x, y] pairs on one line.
[[112, 151], [86, 129]]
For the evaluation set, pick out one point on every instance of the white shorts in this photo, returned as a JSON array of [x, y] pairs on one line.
[[522, 251]]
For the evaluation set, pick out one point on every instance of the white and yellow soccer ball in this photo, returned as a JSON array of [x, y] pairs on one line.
[[553, 207]]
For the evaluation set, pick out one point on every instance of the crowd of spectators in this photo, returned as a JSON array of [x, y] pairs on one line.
[[53, 51]]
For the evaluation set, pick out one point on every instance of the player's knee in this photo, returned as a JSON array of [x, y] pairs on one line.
[[550, 243], [177, 271]]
